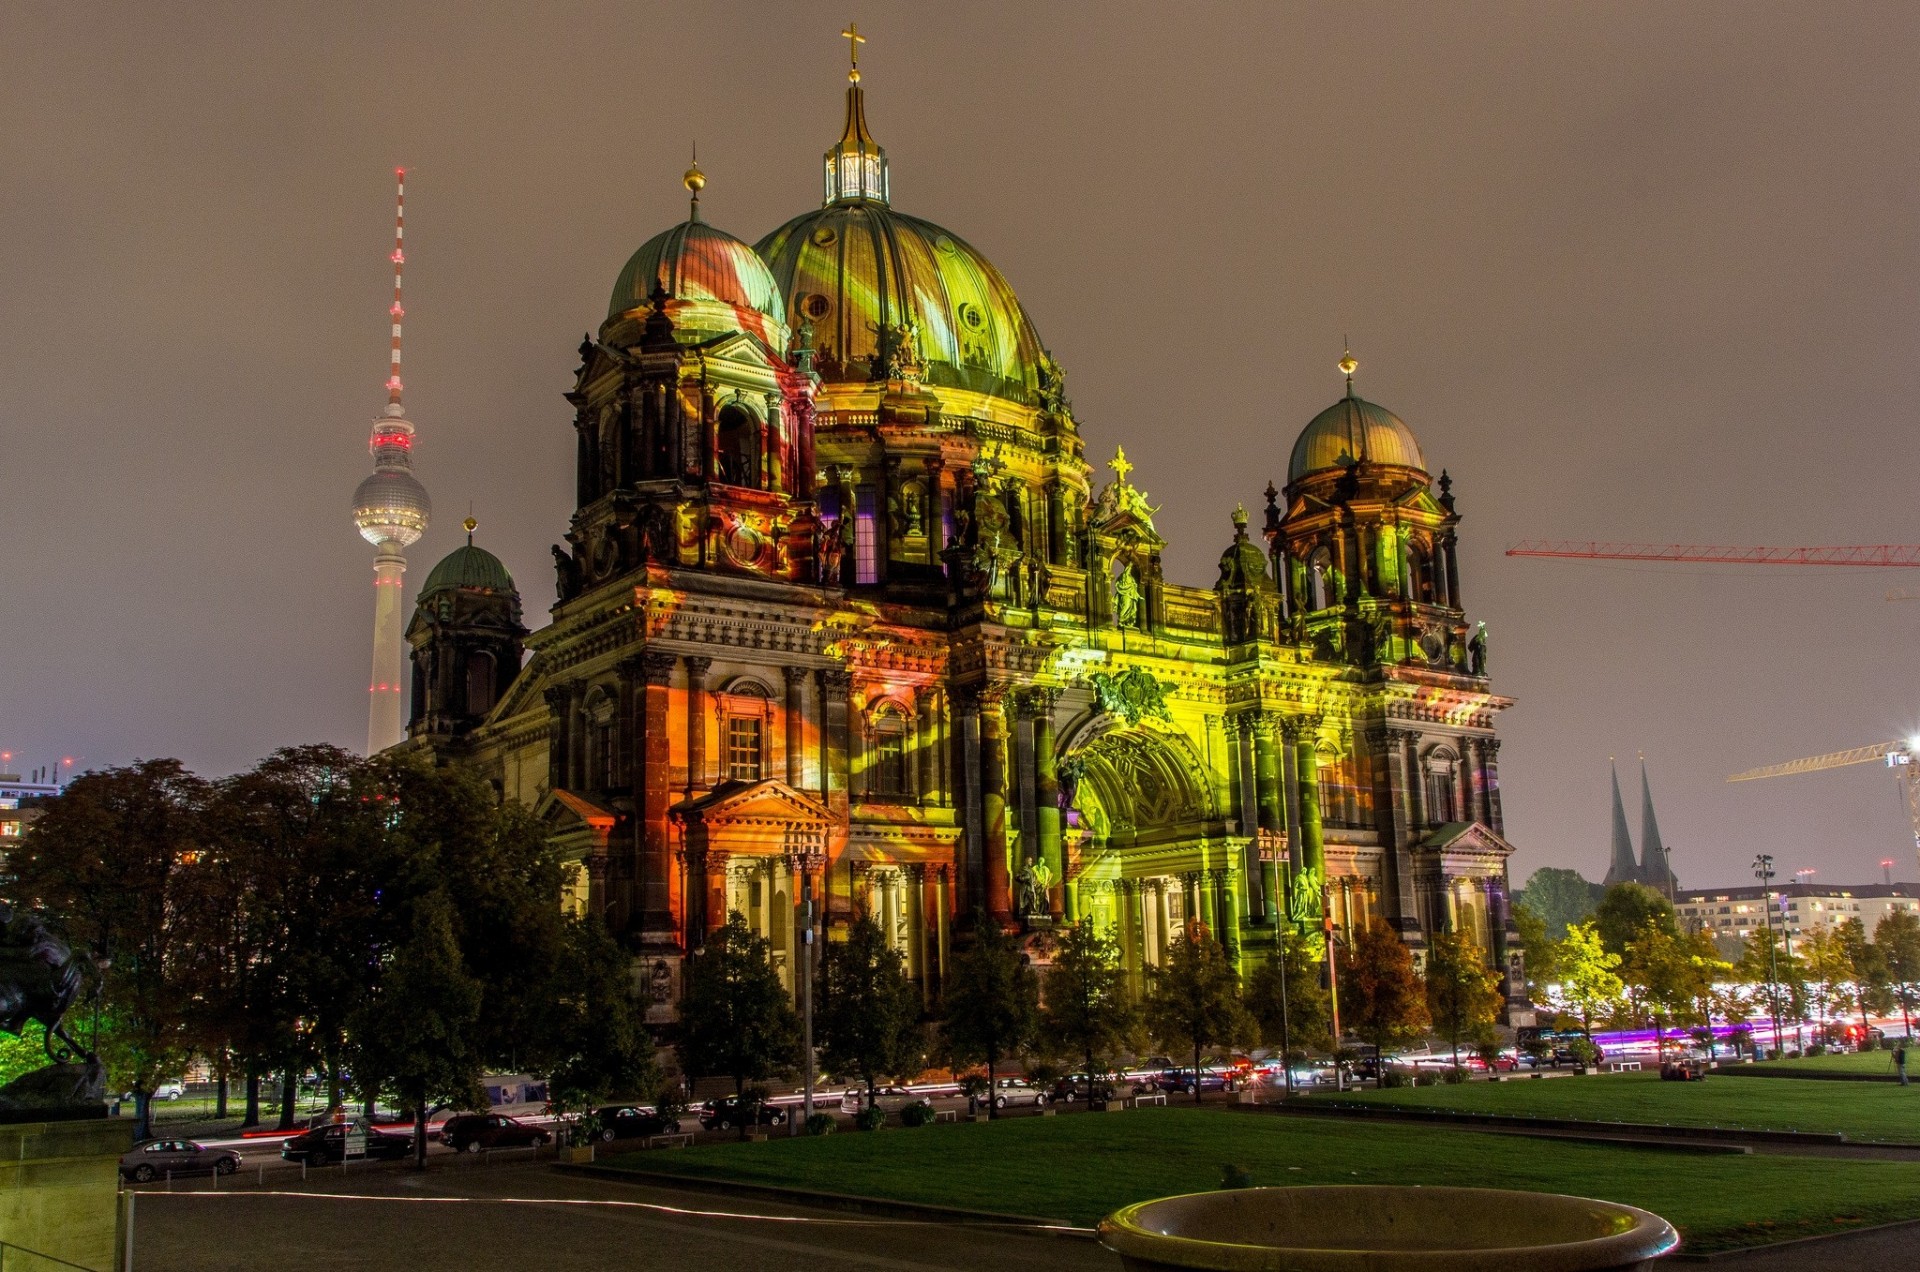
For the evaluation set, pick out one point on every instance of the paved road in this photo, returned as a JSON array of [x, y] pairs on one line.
[[513, 1218]]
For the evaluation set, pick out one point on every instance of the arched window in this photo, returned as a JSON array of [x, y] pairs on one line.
[[1443, 789], [1420, 573], [889, 754], [481, 678], [739, 448], [1320, 579]]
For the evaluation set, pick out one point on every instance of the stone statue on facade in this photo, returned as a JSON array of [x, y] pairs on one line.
[[1477, 651], [566, 573], [829, 549], [1126, 597], [1034, 880]]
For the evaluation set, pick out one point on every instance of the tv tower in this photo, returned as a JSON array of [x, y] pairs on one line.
[[390, 509]]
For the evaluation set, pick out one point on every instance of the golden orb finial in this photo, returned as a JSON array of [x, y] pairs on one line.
[[695, 180], [1349, 364]]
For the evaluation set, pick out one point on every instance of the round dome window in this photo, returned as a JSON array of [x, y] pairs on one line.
[[815, 306], [944, 243], [824, 236], [971, 317]]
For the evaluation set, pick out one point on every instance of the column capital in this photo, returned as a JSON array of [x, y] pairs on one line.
[[557, 697], [795, 676], [654, 666], [697, 667], [966, 698], [1402, 736], [834, 679]]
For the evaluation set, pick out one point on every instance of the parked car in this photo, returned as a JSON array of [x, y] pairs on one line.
[[1079, 1086], [725, 1113], [177, 1157], [172, 1089], [888, 1099], [625, 1121], [471, 1132], [1009, 1092], [327, 1145], [1181, 1081]]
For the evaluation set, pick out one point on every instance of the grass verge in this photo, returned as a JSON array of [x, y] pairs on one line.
[[1082, 1167], [1863, 1111], [1861, 1063]]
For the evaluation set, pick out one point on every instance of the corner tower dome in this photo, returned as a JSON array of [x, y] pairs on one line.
[[886, 292], [714, 281], [1354, 429]]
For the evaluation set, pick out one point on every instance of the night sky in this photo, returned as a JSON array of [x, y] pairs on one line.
[[1631, 272]]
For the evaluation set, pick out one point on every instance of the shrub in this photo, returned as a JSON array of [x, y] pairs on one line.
[[1455, 1076], [1584, 1052], [1816, 1048], [870, 1119], [1424, 1079], [916, 1115], [1391, 1079], [822, 1124]]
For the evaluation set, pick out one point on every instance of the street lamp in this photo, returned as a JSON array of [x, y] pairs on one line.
[[1763, 871]]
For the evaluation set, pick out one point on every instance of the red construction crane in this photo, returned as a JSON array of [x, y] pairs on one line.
[[1891, 555]]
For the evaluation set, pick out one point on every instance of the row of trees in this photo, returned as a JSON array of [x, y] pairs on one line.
[[737, 1020], [1629, 962], [391, 925]]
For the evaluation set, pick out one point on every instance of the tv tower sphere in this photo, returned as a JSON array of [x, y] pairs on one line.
[[391, 505]]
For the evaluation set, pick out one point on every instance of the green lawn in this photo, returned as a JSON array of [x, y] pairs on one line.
[[1081, 1167], [1864, 1111], [1874, 1062]]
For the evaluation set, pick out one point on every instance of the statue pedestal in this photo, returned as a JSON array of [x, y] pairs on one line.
[[58, 1188]]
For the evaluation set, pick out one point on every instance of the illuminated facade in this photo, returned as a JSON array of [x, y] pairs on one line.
[[844, 606]]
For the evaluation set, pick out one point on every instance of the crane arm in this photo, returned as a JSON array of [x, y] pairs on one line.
[[1814, 763], [1891, 555]]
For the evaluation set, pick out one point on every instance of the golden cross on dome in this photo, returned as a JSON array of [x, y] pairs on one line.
[[1120, 464], [854, 40]]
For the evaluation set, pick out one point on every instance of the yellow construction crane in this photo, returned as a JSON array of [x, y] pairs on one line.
[[1903, 755]]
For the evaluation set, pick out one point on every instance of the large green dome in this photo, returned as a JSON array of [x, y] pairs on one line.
[[469, 569], [857, 267], [1354, 429]]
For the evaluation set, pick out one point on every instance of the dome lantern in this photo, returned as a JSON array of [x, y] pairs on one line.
[[856, 165]]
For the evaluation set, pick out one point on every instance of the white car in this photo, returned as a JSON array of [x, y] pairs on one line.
[[1012, 1091], [172, 1089]]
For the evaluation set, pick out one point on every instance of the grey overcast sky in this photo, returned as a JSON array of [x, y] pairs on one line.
[[1631, 271]]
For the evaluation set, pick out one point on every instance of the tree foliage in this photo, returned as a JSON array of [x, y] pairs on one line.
[[1590, 986], [1088, 1013], [1296, 982], [735, 1018], [1626, 909], [1382, 999], [1897, 936], [1561, 898], [1193, 1000], [1542, 951], [992, 1002], [1463, 993], [866, 1013]]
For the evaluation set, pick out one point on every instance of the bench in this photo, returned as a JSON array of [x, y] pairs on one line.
[[1623, 1066], [1151, 1097], [679, 1139], [946, 1115]]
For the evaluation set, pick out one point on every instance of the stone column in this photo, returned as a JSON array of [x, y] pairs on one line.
[[796, 678], [1272, 809], [942, 908], [1047, 794], [913, 899], [1131, 927], [1057, 523], [1162, 917], [1475, 766], [973, 867], [1313, 849], [714, 874], [557, 699], [835, 683], [784, 894], [658, 901], [1290, 795], [927, 748], [1230, 911], [1394, 746], [993, 803], [697, 723], [1490, 782], [1024, 780], [1447, 546]]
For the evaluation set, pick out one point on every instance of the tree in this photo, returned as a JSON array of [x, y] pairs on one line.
[[1463, 993], [1287, 997], [1382, 1000], [866, 1014], [1193, 1000], [1561, 898], [107, 864], [1663, 978], [1867, 966], [1626, 909], [415, 1033], [735, 1017], [993, 1002], [1087, 1012], [1590, 984], [593, 1042], [1542, 952], [1766, 963], [1898, 938], [1829, 972]]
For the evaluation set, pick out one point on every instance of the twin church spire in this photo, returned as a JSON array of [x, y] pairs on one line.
[[1652, 867]]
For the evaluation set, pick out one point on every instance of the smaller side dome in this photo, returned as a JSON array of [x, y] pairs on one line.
[[468, 569], [1353, 428], [717, 283]]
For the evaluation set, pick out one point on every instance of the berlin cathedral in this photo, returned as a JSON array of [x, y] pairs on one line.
[[847, 615]]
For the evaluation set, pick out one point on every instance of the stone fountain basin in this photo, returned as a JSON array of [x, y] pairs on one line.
[[1362, 1228]]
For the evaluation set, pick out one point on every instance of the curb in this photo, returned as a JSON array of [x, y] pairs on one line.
[[1036, 1225], [1831, 1139], [1794, 1242]]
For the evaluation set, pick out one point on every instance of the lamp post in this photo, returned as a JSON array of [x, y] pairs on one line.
[[1333, 983], [1763, 871]]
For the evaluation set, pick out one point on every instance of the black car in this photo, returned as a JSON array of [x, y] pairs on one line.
[[327, 1145], [724, 1113], [471, 1132], [625, 1121]]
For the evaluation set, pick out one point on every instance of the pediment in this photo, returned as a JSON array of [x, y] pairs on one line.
[[1468, 839], [565, 810], [763, 803]]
